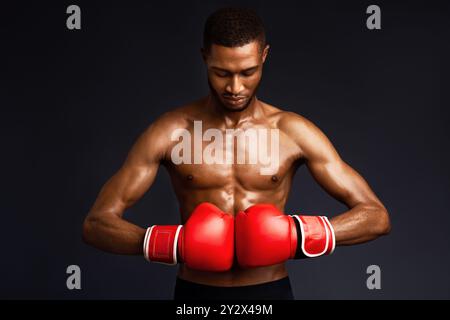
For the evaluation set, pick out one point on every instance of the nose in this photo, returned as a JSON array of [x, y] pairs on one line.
[[235, 86]]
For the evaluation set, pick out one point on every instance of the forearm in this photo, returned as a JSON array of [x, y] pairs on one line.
[[114, 235], [360, 224]]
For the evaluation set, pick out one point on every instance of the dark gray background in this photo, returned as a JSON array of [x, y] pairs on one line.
[[73, 102]]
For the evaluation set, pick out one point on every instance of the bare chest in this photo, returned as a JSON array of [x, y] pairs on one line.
[[255, 159]]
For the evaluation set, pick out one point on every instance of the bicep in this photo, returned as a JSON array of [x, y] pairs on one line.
[[341, 181], [133, 179], [125, 187], [335, 176]]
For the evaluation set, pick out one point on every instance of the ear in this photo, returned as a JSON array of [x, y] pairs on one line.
[[265, 53]]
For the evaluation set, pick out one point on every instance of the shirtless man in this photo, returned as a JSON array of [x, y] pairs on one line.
[[237, 258]]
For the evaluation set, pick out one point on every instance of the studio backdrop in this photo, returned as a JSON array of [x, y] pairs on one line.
[[74, 100]]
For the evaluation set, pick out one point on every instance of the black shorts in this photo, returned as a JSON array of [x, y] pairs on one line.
[[275, 290]]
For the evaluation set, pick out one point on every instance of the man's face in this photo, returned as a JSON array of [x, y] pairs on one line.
[[234, 73]]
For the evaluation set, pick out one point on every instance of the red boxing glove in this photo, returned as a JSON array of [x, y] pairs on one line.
[[266, 236], [205, 242]]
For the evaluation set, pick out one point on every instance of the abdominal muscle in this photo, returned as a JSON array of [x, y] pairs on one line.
[[236, 276]]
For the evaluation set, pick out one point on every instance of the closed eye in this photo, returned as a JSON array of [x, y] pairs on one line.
[[222, 74], [248, 73]]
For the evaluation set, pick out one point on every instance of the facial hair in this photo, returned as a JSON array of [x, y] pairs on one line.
[[216, 96]]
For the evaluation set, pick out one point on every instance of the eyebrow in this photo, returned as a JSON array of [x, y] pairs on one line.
[[225, 70]]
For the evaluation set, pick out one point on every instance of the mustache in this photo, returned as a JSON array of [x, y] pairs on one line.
[[233, 96]]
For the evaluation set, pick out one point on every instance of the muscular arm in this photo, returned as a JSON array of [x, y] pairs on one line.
[[366, 218], [104, 226]]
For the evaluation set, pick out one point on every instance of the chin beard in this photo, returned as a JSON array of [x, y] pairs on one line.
[[224, 106], [245, 106]]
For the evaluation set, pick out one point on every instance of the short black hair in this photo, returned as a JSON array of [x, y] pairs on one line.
[[233, 27]]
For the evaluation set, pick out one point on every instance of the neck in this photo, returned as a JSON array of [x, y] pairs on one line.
[[233, 118]]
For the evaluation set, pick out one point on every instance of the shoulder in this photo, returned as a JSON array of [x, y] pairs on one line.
[[288, 122], [177, 118], [156, 139], [292, 121], [180, 117], [302, 131]]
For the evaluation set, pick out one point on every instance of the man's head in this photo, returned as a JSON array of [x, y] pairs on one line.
[[234, 50]]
